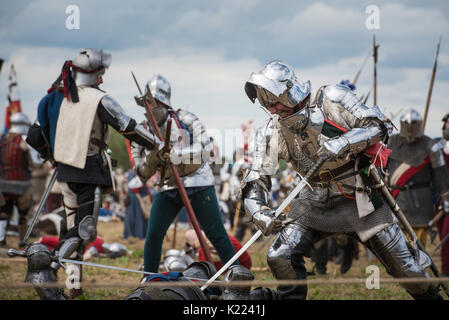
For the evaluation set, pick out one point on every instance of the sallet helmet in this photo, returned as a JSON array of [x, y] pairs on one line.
[[160, 89], [19, 123], [89, 64], [277, 82]]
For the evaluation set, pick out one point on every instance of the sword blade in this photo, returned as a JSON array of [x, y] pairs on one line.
[[291, 196], [97, 265], [41, 205], [279, 210], [231, 261]]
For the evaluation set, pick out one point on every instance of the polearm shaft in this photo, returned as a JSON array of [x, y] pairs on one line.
[[236, 217], [166, 148], [367, 96], [375, 47], [445, 239], [403, 220], [181, 189], [360, 70], [432, 80], [437, 218], [304, 182]]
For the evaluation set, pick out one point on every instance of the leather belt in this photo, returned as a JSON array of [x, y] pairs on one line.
[[326, 176]]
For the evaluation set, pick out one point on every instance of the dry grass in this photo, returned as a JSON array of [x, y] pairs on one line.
[[14, 270]]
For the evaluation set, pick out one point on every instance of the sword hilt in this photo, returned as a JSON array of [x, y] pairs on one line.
[[315, 167]]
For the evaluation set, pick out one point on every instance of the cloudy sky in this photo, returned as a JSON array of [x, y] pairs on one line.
[[208, 49]]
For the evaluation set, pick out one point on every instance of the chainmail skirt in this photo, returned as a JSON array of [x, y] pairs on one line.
[[316, 210]]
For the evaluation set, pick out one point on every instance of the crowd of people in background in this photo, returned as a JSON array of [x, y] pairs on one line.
[[131, 204]]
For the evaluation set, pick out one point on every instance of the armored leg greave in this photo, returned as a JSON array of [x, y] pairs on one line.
[[40, 272], [286, 258], [401, 260], [43, 265]]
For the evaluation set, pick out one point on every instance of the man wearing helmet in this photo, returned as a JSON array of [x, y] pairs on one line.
[[416, 170], [190, 143], [15, 175], [338, 127], [73, 122]]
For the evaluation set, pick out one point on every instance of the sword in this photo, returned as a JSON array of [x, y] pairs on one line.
[[15, 253], [304, 182], [41, 205]]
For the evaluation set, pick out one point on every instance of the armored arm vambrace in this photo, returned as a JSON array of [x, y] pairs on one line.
[[255, 197], [440, 173], [354, 141], [187, 154], [255, 202], [145, 162], [201, 141], [110, 112], [367, 125]]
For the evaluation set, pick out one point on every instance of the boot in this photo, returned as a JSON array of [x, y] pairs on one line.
[[348, 256], [431, 294]]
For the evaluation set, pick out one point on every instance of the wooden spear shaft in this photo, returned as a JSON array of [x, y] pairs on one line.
[[182, 191], [432, 80], [360, 70], [375, 47]]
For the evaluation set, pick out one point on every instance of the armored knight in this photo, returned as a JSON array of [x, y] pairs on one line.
[[15, 175], [192, 153], [72, 131], [443, 224], [417, 171], [336, 126]]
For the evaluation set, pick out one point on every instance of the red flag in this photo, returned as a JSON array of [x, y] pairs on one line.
[[13, 98]]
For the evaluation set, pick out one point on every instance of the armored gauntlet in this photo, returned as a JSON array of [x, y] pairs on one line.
[[266, 222]]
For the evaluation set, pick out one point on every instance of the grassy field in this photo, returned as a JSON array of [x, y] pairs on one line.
[[13, 270]]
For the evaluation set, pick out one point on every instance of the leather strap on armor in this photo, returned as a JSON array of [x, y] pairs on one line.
[[327, 176]]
